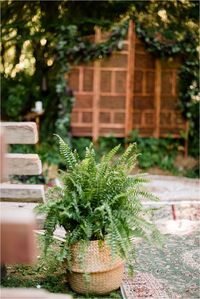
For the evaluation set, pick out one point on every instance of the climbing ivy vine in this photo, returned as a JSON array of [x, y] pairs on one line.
[[188, 51], [73, 49]]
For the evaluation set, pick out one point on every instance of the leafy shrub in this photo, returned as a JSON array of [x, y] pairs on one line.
[[18, 96], [156, 152], [107, 143]]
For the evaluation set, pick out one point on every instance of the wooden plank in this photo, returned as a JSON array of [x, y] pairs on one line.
[[113, 94], [111, 126], [157, 97], [105, 68], [113, 87], [22, 193], [81, 78], [82, 125], [174, 82], [130, 78], [144, 74], [102, 110], [23, 164], [22, 293], [101, 125], [96, 87], [30, 206], [20, 132], [83, 134], [30, 293], [18, 243]]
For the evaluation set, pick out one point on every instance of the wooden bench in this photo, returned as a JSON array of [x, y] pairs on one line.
[[21, 164], [18, 244]]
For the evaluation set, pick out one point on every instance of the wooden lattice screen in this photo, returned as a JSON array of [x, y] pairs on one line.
[[129, 90]]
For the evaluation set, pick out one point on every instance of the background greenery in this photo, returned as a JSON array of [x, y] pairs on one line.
[[41, 40]]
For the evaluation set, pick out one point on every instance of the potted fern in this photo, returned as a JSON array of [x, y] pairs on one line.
[[99, 206]]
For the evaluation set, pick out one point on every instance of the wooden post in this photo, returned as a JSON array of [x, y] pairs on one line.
[[157, 97], [130, 79], [96, 97]]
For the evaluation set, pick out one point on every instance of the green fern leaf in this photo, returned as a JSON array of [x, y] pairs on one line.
[[67, 154]]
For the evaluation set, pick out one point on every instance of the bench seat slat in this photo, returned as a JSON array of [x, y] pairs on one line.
[[22, 193], [20, 132], [30, 293], [23, 164]]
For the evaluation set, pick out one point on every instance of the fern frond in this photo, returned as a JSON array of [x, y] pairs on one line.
[[66, 153], [130, 150], [107, 158]]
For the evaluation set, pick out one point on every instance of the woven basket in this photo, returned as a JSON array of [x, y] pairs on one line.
[[105, 274]]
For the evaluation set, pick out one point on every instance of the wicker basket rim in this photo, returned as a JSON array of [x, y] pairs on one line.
[[103, 241], [116, 265]]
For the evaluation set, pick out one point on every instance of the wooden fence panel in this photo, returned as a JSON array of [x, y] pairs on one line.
[[171, 120], [131, 90], [144, 101]]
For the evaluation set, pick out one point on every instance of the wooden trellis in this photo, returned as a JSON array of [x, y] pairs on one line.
[[127, 91]]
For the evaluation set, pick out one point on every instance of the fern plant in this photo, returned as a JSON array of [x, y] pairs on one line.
[[98, 201]]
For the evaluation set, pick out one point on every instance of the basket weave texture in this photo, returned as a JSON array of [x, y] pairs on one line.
[[105, 274]]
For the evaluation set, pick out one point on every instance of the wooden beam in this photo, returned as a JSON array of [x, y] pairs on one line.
[[96, 86], [20, 132], [22, 193], [157, 97], [81, 78], [130, 79], [30, 293], [23, 164], [113, 87]]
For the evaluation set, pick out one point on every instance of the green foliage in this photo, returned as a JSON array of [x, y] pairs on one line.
[[156, 152], [80, 144], [50, 36], [107, 143], [14, 105], [98, 201], [194, 172], [17, 96]]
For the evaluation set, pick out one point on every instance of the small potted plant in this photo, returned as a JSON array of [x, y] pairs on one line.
[[99, 206]]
